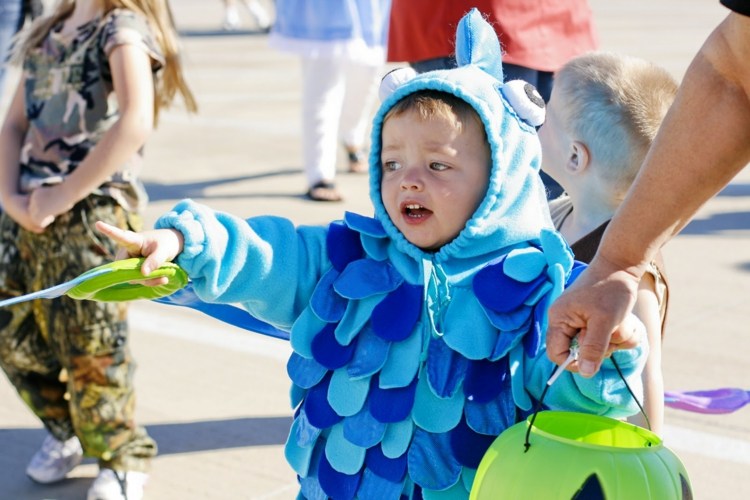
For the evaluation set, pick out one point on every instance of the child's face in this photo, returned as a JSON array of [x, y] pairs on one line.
[[434, 176]]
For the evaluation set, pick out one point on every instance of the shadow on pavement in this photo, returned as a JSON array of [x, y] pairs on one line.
[[718, 223], [189, 437], [18, 444], [180, 437], [220, 32], [736, 189], [164, 191], [725, 221]]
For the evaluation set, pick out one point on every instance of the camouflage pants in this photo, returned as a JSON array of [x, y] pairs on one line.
[[69, 360]]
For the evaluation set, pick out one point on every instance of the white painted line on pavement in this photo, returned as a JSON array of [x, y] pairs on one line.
[[707, 444], [195, 327], [191, 326]]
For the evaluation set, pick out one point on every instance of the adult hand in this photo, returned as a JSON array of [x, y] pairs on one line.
[[596, 308]]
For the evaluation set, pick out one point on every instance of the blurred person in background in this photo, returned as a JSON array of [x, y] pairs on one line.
[[341, 44], [13, 14], [700, 147], [233, 21], [95, 75]]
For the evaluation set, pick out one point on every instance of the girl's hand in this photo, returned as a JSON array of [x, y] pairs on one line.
[[17, 208], [46, 203], [158, 246]]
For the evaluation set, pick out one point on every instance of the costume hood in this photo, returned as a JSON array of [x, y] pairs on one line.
[[514, 208]]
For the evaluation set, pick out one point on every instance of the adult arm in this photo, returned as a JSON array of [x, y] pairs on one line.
[[702, 144]]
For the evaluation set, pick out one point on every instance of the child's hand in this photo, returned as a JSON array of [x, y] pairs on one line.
[[628, 335], [46, 203], [17, 208], [158, 246]]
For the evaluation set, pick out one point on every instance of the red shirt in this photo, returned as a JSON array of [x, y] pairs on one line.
[[538, 34]]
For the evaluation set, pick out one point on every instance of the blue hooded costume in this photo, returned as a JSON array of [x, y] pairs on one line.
[[407, 364]]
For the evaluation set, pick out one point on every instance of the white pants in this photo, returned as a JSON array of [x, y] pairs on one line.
[[337, 99]]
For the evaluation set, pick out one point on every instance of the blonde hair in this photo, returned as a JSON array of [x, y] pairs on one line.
[[158, 14], [614, 104], [430, 104]]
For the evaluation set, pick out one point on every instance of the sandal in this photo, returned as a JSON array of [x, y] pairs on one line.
[[357, 160], [324, 191]]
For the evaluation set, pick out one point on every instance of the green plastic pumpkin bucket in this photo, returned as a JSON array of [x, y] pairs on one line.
[[579, 456]]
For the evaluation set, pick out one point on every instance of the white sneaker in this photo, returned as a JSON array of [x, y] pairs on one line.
[[54, 460], [117, 485], [259, 14]]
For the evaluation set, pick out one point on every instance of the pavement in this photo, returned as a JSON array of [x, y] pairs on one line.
[[216, 398]]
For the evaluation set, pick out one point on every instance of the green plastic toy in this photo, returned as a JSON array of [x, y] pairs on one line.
[[575, 455], [117, 281]]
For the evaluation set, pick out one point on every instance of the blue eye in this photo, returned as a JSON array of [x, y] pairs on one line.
[[439, 167], [390, 166]]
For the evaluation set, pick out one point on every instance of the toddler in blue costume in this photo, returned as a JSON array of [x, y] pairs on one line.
[[418, 335]]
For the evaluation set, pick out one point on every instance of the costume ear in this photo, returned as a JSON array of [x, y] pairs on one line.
[[477, 43], [393, 80]]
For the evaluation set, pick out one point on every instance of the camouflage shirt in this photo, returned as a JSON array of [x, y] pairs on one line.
[[70, 103]]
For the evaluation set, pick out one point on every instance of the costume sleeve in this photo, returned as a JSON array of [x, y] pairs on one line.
[[128, 27], [603, 394], [266, 264]]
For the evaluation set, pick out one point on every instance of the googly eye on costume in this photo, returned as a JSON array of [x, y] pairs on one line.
[[393, 80], [525, 100]]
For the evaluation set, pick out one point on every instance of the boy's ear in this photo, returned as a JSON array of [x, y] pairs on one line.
[[578, 158]]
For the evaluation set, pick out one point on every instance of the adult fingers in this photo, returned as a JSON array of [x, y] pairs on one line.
[[594, 344], [563, 326]]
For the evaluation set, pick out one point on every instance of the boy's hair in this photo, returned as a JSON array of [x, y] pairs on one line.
[[614, 104], [430, 104], [159, 16]]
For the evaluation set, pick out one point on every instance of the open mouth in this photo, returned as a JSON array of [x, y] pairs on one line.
[[415, 211]]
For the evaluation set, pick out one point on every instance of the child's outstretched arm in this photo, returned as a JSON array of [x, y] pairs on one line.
[[266, 264], [158, 246]]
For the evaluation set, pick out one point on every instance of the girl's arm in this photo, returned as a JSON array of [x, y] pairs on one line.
[[15, 204], [647, 310], [134, 87]]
